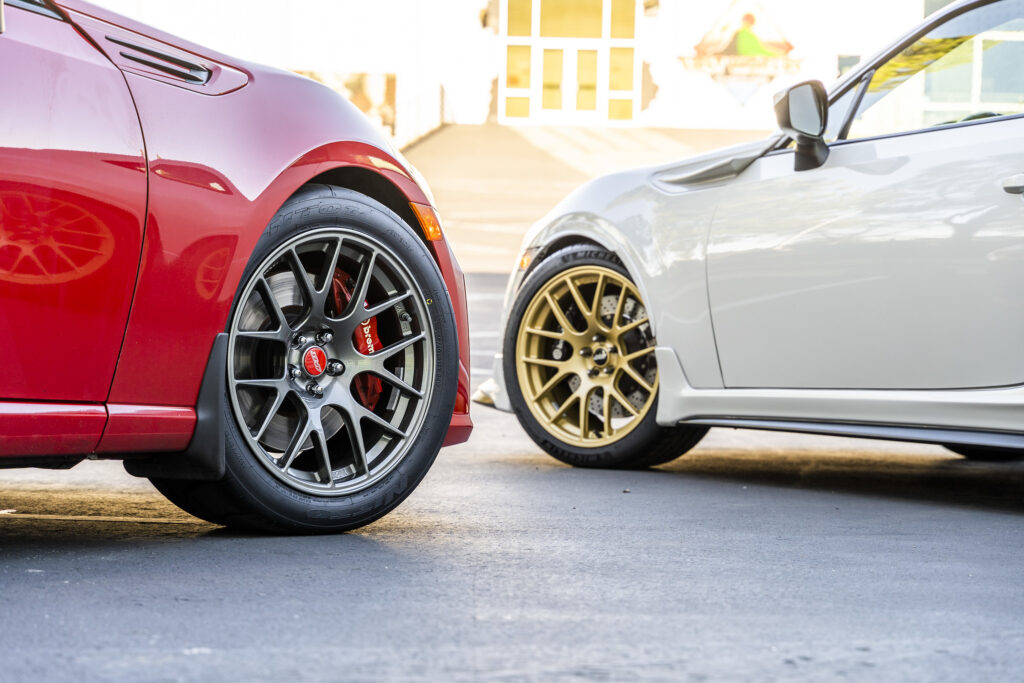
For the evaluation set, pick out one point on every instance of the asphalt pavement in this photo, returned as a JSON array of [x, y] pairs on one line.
[[758, 556]]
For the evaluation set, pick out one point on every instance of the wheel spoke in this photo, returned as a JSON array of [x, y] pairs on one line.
[[624, 402], [260, 383], [564, 408], [633, 325], [382, 423], [628, 369], [551, 384], [619, 306], [585, 412], [295, 445], [389, 351], [358, 302], [264, 335], [398, 382], [559, 314], [598, 293], [550, 334], [275, 405], [390, 303], [325, 279], [302, 279], [638, 354], [578, 296], [607, 410], [545, 362], [320, 448], [355, 439], [273, 308]]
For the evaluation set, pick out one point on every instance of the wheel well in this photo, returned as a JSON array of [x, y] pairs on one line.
[[561, 243], [374, 186]]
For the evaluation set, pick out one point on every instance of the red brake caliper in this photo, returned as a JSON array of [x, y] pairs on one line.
[[365, 338]]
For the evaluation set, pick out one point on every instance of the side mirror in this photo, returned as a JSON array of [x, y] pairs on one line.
[[802, 112]]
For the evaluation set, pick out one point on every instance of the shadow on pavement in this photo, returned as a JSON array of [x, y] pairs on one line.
[[952, 479]]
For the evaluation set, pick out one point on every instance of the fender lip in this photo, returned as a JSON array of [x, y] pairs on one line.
[[203, 459]]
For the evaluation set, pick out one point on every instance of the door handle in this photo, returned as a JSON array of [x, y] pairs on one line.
[[1014, 184]]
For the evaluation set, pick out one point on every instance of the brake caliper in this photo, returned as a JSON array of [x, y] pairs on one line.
[[365, 337]]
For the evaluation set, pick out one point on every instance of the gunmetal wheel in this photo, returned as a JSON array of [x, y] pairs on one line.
[[328, 322], [580, 366], [342, 370]]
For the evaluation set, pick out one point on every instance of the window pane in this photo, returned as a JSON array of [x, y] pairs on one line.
[[552, 80], [837, 113], [518, 66], [1002, 71], [519, 17], [570, 18], [586, 80], [623, 18], [517, 107], [935, 81], [621, 68], [620, 110]]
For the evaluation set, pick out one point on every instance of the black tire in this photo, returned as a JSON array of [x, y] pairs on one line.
[[249, 497], [648, 444], [986, 453]]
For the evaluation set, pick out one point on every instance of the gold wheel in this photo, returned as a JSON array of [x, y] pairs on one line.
[[585, 357]]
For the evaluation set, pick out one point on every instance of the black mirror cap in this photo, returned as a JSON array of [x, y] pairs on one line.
[[802, 113]]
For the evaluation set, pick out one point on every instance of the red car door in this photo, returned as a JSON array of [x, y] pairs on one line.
[[72, 209]]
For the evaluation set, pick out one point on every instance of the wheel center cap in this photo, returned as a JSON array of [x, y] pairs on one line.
[[600, 356], [314, 361]]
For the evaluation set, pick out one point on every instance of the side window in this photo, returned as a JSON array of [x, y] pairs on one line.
[[968, 68], [837, 112]]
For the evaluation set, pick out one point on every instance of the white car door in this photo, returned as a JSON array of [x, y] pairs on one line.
[[899, 263]]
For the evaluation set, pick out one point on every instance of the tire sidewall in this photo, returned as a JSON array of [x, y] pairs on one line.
[[618, 453], [327, 207]]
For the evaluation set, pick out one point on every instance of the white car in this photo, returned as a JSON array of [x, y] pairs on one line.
[[861, 273]]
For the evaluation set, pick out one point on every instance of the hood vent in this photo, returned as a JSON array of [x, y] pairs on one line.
[[172, 66]]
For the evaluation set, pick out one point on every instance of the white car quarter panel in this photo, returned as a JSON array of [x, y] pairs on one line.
[[899, 264]]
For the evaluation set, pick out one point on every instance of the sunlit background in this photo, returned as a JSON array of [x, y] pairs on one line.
[[508, 105], [415, 65]]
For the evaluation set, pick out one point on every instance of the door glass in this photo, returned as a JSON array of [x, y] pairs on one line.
[[552, 98], [837, 112], [586, 80], [621, 69], [519, 13], [623, 18], [570, 18], [518, 75], [620, 110], [966, 69]]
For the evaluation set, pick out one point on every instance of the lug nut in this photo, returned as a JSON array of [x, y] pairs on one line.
[[593, 372], [598, 338], [294, 372], [335, 367], [325, 337], [315, 389], [585, 352], [301, 340], [613, 349], [609, 370]]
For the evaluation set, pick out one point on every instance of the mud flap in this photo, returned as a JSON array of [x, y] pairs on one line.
[[204, 457]]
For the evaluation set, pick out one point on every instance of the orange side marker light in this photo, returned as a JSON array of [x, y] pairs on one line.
[[429, 220]]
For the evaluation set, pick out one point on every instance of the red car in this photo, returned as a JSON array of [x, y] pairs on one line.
[[218, 272]]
